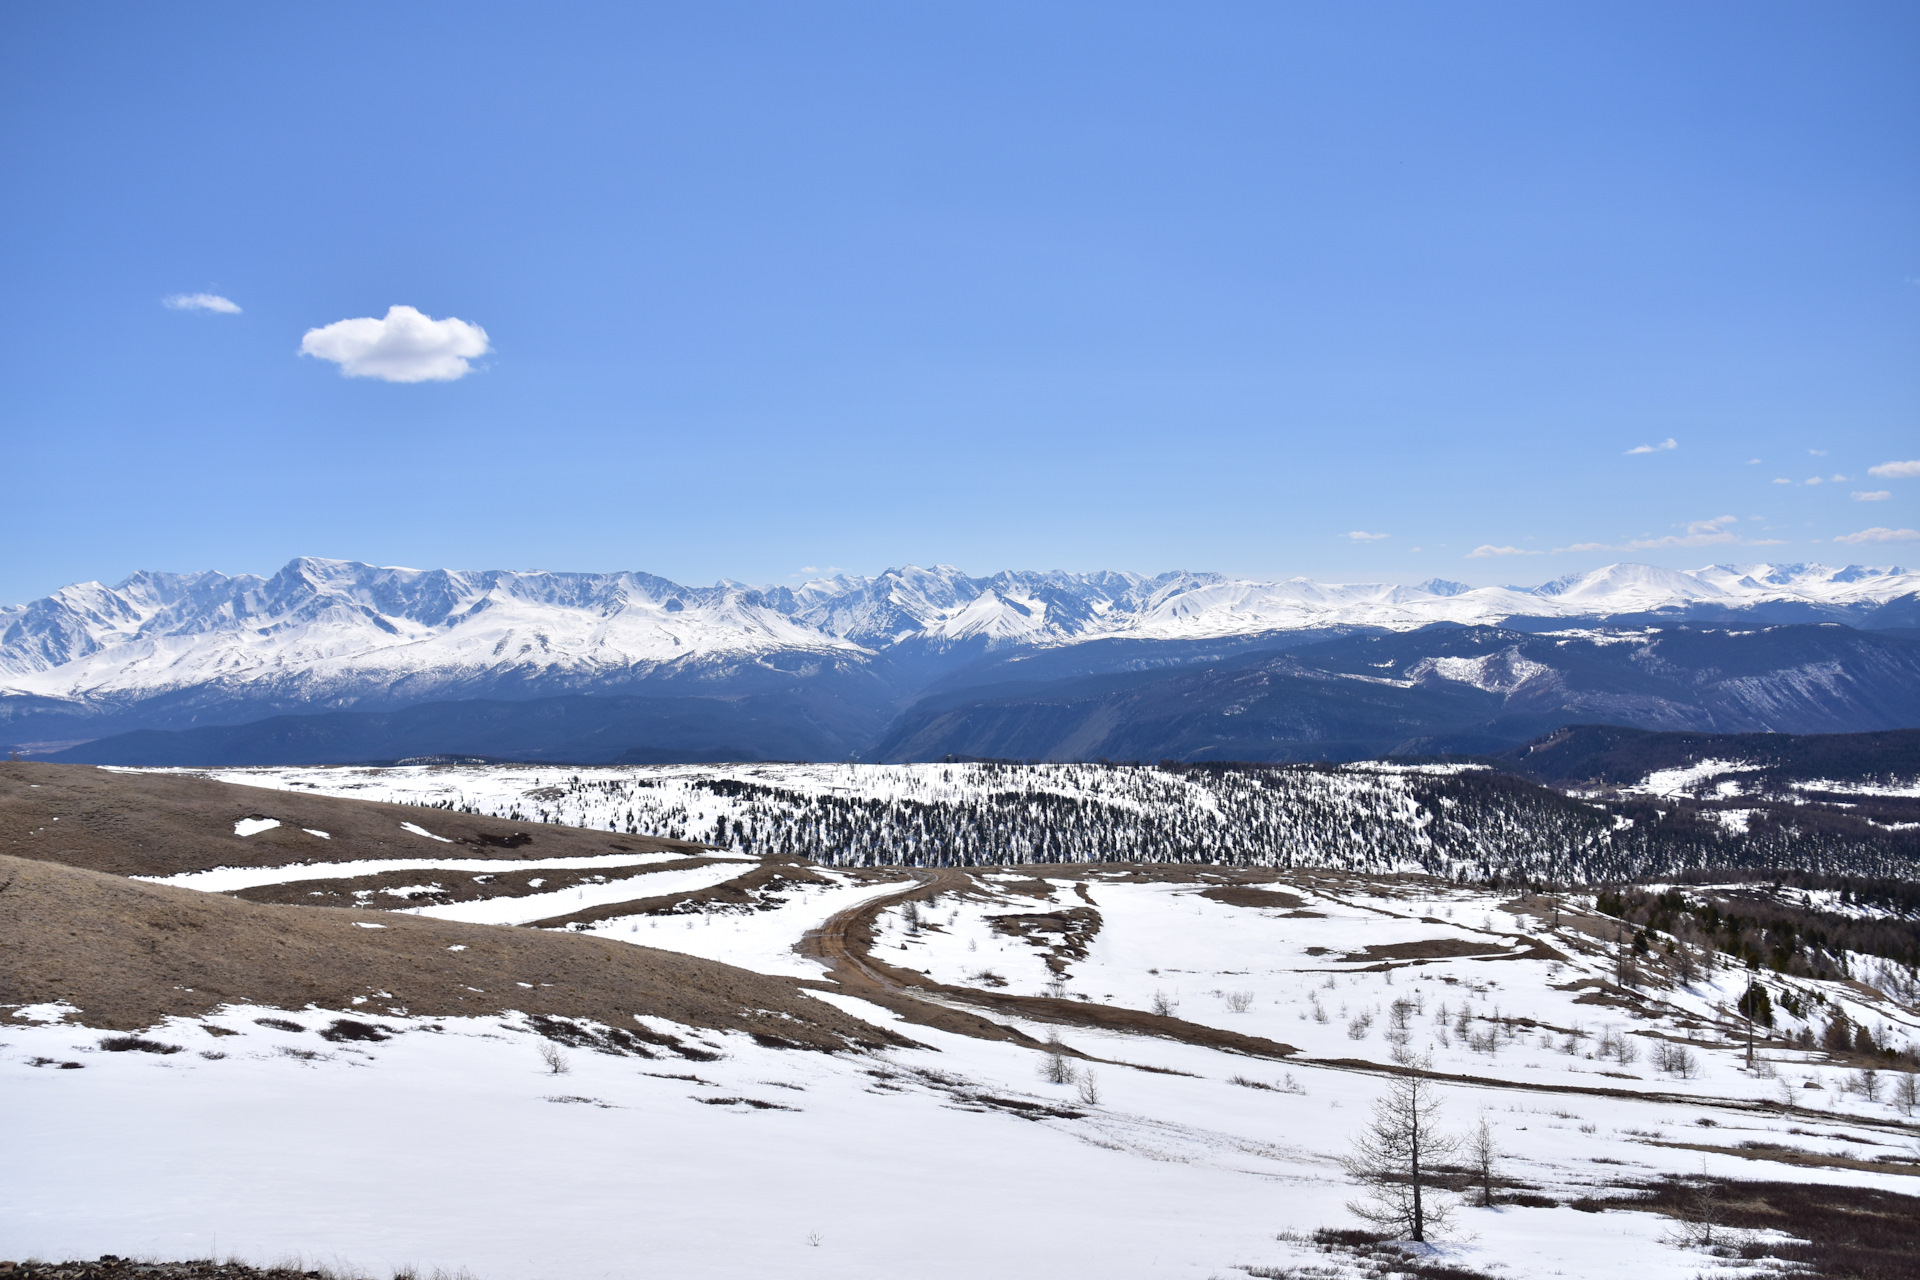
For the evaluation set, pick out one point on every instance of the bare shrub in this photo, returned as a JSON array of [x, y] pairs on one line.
[[1089, 1089], [1165, 1005], [1361, 1024], [556, 1061], [1674, 1059], [1057, 1068], [1483, 1155], [1239, 1001], [129, 1043]]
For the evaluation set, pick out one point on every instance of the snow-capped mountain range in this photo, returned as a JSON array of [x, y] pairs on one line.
[[319, 626]]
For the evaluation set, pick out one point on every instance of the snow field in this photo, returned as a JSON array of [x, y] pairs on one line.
[[457, 1148], [1163, 948], [761, 940], [234, 879], [540, 906]]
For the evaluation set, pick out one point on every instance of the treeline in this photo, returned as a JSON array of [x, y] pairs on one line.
[[1464, 824], [1766, 932]]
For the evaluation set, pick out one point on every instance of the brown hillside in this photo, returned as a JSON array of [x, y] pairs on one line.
[[128, 953], [143, 824]]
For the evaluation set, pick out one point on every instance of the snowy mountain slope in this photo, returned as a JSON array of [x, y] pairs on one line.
[[322, 626]]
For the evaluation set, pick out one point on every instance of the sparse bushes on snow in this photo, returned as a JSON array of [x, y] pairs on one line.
[[140, 1044], [1675, 1060]]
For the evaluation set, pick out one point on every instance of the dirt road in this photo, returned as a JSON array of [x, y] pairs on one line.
[[845, 945]]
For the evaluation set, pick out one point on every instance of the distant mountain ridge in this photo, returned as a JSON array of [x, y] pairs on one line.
[[842, 657]]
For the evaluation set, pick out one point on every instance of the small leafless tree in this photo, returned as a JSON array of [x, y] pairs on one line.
[[556, 1061], [1697, 1214], [1089, 1089], [1239, 1001], [1165, 1005], [1906, 1092], [1058, 1068], [1393, 1160], [1483, 1155]]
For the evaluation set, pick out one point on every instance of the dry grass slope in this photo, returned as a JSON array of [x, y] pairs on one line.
[[129, 953], [134, 824]]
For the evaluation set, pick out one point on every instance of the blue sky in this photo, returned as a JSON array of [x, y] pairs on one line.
[[775, 289]]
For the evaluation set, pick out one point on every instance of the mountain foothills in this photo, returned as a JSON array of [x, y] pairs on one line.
[[335, 661]]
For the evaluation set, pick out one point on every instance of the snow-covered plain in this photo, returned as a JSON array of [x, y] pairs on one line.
[[451, 1145]]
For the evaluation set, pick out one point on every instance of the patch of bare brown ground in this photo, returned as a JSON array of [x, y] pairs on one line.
[[143, 824], [128, 953], [1239, 895], [1427, 949]]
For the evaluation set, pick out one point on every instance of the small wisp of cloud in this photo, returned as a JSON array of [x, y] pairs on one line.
[[1361, 535], [1700, 533], [1662, 447], [405, 345], [1872, 495], [1880, 533], [1487, 550], [201, 302], [1896, 470]]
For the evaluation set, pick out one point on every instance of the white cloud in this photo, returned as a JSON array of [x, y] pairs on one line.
[[1783, 480], [1896, 470], [201, 302], [1753, 462], [1876, 495], [1815, 480], [1818, 453], [1878, 534], [1700, 533], [1662, 447], [405, 346], [1482, 552], [1361, 535]]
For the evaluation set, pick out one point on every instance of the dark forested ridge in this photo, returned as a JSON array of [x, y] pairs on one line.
[[1465, 690], [1294, 697], [1612, 755]]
